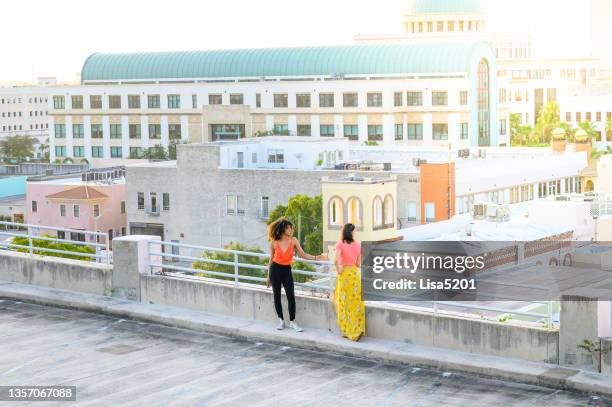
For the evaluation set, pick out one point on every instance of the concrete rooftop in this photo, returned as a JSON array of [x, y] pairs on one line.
[[120, 362]]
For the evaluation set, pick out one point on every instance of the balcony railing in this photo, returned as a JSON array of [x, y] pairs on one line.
[[33, 247]]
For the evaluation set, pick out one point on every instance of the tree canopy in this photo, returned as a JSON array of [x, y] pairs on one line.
[[19, 147], [309, 210]]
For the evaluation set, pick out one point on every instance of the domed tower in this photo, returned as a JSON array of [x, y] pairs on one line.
[[559, 140], [444, 17]]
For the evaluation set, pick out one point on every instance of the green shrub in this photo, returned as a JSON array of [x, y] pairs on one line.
[[47, 244]]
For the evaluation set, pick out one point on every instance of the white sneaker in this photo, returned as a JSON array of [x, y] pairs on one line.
[[295, 326], [281, 324]]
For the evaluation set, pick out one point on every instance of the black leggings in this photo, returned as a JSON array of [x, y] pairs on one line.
[[281, 275]]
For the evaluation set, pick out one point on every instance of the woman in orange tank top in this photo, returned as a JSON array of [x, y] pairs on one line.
[[282, 246]]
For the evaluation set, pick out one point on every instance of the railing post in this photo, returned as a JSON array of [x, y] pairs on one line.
[[30, 241], [107, 250], [549, 314], [236, 280]]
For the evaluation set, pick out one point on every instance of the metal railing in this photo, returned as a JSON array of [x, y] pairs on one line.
[[322, 280], [32, 233]]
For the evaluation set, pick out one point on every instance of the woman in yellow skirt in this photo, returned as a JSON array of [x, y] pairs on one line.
[[347, 296]]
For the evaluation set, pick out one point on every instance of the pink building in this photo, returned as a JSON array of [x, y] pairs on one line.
[[92, 201]]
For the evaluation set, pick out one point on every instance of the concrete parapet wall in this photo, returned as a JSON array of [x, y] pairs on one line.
[[66, 274], [384, 322]]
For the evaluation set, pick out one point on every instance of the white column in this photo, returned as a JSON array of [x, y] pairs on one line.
[[338, 126], [269, 122], [184, 128], [315, 125], [87, 137], [106, 136], [427, 129], [163, 122], [69, 137], [388, 129], [144, 132], [292, 124], [51, 121], [125, 136], [454, 129], [362, 123]]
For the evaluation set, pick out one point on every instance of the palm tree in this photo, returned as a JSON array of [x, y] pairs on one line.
[[589, 127], [609, 129], [548, 120]]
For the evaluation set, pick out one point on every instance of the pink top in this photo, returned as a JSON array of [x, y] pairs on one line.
[[347, 253]]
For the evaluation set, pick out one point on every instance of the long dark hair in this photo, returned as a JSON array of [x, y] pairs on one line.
[[347, 233], [277, 228]]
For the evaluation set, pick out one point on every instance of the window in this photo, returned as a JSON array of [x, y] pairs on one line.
[[375, 132], [136, 152], [78, 151], [60, 131], [440, 131], [276, 157], [399, 132], [258, 100], [502, 127], [388, 211], [140, 200], [327, 130], [265, 207], [194, 101], [134, 101], [61, 234], [60, 151], [336, 215], [568, 116], [281, 100], [122, 206], [304, 130], [374, 99], [440, 26], [153, 202], [59, 102], [578, 116], [95, 102], [415, 131], [463, 97], [153, 101], [115, 152], [114, 102], [174, 101], [351, 131], [174, 131], [78, 131], [96, 131], [115, 130], [484, 137], [77, 102], [354, 211], [34, 206], [134, 130], [123, 231], [430, 212], [397, 99], [76, 210], [349, 99], [411, 215], [439, 98], [215, 99], [62, 210], [502, 95], [166, 201], [326, 100], [415, 98], [463, 131], [240, 207], [236, 99], [598, 116], [154, 131], [302, 100], [282, 129], [377, 213], [230, 203], [97, 151]]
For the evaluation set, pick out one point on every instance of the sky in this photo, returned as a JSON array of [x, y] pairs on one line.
[[53, 38]]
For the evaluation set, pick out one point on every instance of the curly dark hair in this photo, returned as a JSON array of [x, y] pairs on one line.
[[277, 228]]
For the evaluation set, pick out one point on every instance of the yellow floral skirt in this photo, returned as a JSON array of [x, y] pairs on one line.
[[349, 305]]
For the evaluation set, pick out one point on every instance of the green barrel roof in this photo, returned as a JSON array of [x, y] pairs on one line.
[[439, 58], [447, 6]]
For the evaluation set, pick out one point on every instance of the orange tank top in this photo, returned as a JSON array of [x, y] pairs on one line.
[[281, 257]]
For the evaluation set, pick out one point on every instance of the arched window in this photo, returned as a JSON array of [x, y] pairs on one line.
[[484, 136], [377, 212], [336, 212], [388, 211], [355, 212]]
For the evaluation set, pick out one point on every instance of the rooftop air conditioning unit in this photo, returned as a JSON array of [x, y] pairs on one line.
[[463, 153], [562, 198], [418, 161], [479, 210], [386, 166], [482, 153]]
